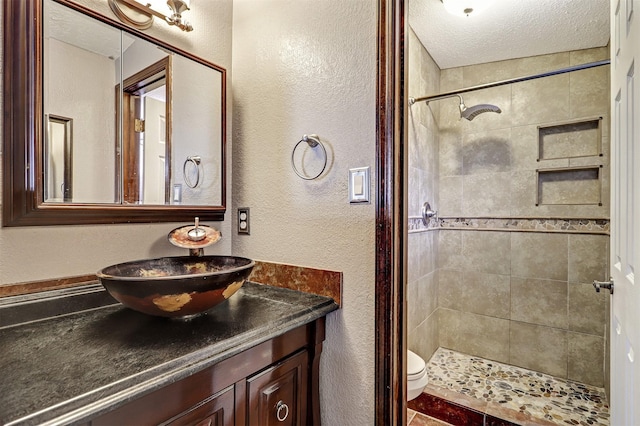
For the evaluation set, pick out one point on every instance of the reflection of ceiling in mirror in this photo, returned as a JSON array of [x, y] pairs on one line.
[[84, 32], [509, 29], [159, 94]]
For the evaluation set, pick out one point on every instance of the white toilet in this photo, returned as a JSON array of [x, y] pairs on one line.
[[416, 375]]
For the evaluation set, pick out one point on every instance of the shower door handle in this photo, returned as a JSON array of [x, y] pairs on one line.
[[603, 284]]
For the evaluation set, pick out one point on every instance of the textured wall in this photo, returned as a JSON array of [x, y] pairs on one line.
[[422, 281], [89, 81], [75, 250], [522, 297], [302, 67]]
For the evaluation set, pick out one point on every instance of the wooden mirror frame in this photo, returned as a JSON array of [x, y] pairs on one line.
[[22, 164]]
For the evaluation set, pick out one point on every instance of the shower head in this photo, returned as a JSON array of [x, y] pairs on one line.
[[470, 113]]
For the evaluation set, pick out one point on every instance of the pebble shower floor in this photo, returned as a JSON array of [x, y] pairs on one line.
[[539, 395]]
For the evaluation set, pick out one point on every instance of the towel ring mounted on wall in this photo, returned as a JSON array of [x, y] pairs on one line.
[[197, 162], [313, 141]]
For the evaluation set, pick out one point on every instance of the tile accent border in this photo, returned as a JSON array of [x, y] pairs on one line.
[[308, 280], [578, 226], [415, 224]]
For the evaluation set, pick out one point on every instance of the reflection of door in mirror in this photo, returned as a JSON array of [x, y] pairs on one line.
[[146, 134], [59, 159]]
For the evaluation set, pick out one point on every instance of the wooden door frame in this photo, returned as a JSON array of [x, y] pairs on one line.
[[390, 314]]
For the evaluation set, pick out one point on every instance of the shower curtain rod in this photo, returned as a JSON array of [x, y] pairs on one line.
[[509, 81]]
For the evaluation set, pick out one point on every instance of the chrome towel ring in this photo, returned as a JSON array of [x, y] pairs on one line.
[[197, 162], [313, 141]]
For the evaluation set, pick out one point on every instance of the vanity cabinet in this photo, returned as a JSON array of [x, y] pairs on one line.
[[272, 383]]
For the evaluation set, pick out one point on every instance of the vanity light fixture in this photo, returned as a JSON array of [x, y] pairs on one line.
[[139, 14], [466, 7]]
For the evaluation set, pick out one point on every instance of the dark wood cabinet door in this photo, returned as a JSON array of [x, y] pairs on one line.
[[218, 410], [277, 396]]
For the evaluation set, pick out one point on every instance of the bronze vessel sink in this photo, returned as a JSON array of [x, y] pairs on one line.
[[181, 286]]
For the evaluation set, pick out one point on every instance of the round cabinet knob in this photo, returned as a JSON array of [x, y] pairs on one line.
[[282, 411]]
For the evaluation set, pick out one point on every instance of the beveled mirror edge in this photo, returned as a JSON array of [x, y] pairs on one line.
[[22, 133]]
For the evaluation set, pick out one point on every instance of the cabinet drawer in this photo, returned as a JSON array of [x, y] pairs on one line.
[[277, 396]]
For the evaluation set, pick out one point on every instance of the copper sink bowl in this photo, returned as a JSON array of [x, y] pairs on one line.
[[176, 286]]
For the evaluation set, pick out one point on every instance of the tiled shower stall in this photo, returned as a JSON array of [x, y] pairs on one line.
[[523, 214]]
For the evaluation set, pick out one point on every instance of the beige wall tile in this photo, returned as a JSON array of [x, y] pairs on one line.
[[422, 287], [450, 286], [587, 309], [422, 254], [414, 136], [589, 55], [589, 93], [450, 196], [523, 193], [486, 251], [541, 101], [450, 151], [486, 294], [479, 335], [586, 359], [451, 79], [449, 118], [489, 72], [425, 339], [422, 297], [414, 187], [413, 258], [450, 249], [588, 258], [430, 257], [521, 67], [474, 292], [537, 255], [541, 302], [486, 194], [539, 348], [486, 152], [542, 63], [524, 148]]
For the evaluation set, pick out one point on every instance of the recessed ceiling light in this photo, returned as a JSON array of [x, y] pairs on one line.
[[466, 7]]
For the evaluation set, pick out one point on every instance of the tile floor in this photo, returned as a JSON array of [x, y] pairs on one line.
[[512, 393]]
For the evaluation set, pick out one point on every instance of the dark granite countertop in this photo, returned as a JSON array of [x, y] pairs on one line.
[[67, 368]]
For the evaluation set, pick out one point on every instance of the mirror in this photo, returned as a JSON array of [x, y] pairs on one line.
[[107, 124]]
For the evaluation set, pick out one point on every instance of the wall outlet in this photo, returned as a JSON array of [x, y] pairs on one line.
[[243, 220]]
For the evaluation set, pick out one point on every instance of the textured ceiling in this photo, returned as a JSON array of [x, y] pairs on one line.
[[509, 29], [81, 31]]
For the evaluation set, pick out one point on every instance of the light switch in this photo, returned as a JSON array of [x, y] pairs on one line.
[[359, 183], [177, 193]]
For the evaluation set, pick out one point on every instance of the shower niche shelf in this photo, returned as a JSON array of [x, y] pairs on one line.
[[570, 139], [570, 186]]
